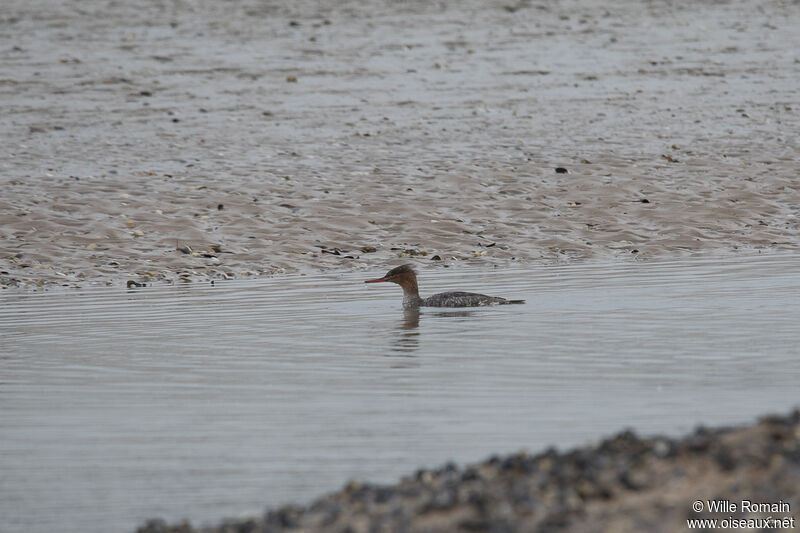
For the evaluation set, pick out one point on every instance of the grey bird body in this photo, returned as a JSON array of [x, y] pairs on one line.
[[406, 277]]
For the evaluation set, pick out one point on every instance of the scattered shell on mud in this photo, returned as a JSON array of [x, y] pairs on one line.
[[410, 252]]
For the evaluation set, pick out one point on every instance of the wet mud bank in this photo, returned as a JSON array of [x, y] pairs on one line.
[[171, 142], [624, 484]]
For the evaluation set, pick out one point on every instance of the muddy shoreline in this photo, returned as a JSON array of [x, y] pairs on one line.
[[623, 484], [175, 143]]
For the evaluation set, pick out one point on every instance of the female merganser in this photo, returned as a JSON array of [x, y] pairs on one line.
[[406, 277]]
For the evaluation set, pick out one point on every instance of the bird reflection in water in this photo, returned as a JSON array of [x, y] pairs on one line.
[[407, 339]]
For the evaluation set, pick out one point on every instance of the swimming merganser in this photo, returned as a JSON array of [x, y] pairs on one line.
[[406, 277]]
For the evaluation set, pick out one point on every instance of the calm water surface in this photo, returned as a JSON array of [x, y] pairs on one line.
[[207, 402]]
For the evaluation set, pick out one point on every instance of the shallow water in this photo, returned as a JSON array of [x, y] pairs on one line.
[[202, 402]]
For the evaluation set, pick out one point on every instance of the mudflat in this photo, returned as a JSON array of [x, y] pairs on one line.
[[156, 142]]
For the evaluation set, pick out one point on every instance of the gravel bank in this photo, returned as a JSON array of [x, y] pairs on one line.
[[624, 484]]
